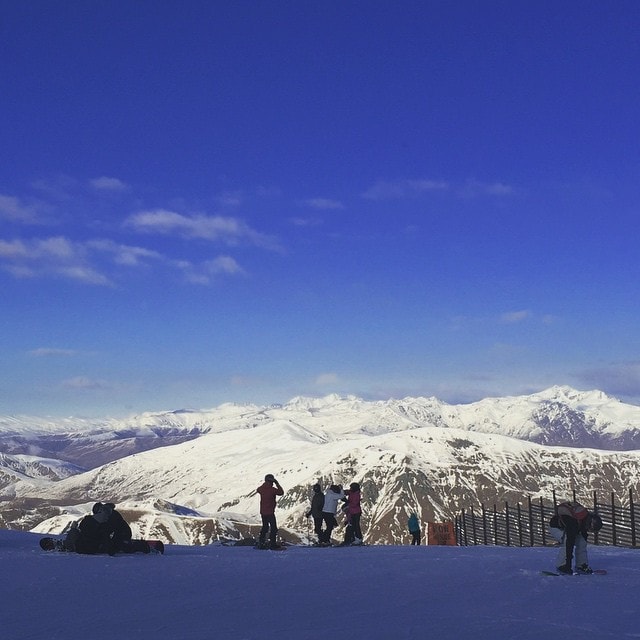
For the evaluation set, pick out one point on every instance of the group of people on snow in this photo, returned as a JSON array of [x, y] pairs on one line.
[[324, 511]]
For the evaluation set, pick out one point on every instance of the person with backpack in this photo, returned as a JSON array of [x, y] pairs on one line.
[[571, 527], [268, 491], [332, 497], [315, 512], [414, 529]]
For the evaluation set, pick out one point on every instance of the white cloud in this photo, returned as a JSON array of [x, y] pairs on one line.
[[231, 198], [621, 379], [47, 352], [474, 188], [207, 271], [84, 383], [124, 254], [323, 203], [108, 184], [223, 264], [305, 222], [13, 250], [50, 257], [84, 274], [513, 317], [385, 190], [325, 379], [213, 228], [16, 210]]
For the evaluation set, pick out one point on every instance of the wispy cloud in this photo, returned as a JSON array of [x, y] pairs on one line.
[[85, 262], [206, 272], [399, 189], [323, 203], [475, 188], [298, 221], [124, 254], [228, 230], [385, 190], [85, 383], [50, 257], [617, 378], [105, 183], [326, 379], [49, 352], [17, 210], [514, 317]]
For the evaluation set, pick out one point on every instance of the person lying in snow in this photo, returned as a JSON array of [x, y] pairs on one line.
[[104, 531]]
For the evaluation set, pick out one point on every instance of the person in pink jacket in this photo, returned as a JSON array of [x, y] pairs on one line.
[[354, 511]]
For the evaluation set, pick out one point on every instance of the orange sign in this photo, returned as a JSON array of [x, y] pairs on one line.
[[441, 533]]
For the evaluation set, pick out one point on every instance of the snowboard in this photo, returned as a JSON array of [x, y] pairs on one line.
[[268, 548], [54, 544], [596, 572]]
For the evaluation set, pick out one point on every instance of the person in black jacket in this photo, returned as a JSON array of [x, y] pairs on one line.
[[571, 527], [315, 512], [104, 531]]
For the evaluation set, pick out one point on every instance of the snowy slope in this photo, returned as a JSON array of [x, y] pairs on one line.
[[433, 471], [377, 593], [190, 477]]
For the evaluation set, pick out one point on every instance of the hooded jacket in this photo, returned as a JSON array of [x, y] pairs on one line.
[[332, 496]]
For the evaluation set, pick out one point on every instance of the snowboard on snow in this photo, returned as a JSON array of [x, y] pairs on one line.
[[55, 544], [266, 547], [596, 572]]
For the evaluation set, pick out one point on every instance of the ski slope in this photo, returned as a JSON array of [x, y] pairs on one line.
[[372, 593]]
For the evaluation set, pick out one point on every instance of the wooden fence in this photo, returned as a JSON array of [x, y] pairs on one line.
[[526, 525]]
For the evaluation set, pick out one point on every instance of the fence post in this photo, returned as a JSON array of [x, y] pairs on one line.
[[519, 512], [632, 518], [530, 521], [473, 526], [543, 526], [484, 525], [555, 502], [613, 521], [495, 524]]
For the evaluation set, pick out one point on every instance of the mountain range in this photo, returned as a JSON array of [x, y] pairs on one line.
[[189, 477]]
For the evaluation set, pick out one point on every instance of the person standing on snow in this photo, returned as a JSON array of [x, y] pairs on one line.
[[315, 512], [268, 491], [354, 511], [414, 529], [332, 496], [570, 527]]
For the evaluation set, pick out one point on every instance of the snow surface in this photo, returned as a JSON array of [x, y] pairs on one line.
[[369, 593]]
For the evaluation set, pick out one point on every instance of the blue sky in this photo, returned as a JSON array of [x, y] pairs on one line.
[[204, 202]]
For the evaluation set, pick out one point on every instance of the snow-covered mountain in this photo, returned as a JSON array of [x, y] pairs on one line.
[[190, 477]]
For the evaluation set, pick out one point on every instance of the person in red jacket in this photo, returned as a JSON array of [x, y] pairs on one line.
[[268, 491]]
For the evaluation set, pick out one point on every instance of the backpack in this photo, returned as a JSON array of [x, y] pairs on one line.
[[573, 510]]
